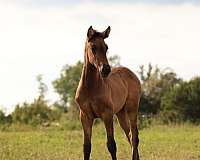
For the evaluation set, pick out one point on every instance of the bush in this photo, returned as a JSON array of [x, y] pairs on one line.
[[145, 121], [2, 117], [183, 101], [35, 113]]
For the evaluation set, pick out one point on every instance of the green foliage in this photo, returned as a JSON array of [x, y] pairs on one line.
[[38, 112], [144, 121], [184, 100], [155, 82], [35, 113], [5, 120], [165, 98], [2, 117]]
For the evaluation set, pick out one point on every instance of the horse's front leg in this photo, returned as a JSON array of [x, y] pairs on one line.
[[111, 145], [87, 123]]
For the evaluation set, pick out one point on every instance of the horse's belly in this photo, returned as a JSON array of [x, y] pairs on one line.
[[118, 103]]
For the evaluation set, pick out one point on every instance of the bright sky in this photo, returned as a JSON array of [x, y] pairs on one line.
[[41, 36]]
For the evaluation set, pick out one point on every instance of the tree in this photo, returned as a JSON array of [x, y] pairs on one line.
[[155, 82], [42, 87], [184, 100], [2, 117]]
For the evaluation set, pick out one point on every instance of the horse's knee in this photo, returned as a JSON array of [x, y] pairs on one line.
[[112, 146]]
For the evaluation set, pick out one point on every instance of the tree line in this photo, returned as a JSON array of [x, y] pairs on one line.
[[164, 95]]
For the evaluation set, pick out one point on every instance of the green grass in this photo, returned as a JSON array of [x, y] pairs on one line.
[[156, 143]]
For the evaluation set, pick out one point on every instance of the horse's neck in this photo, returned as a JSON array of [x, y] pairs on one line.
[[91, 79]]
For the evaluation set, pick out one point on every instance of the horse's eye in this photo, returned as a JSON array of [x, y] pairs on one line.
[[93, 49]]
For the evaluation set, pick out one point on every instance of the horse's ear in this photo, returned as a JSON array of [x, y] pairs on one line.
[[90, 32], [106, 33]]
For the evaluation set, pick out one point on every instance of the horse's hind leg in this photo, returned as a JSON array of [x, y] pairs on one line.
[[124, 122], [135, 153], [132, 114]]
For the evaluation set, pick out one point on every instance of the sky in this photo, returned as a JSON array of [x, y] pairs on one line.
[[41, 36]]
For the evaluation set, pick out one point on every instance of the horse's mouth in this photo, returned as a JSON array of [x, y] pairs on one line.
[[105, 70]]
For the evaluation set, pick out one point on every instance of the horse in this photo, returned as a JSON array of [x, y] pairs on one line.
[[104, 92]]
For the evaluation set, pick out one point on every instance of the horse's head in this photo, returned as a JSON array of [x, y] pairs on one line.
[[96, 49]]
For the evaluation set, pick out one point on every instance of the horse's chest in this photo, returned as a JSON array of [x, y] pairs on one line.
[[95, 106], [99, 106]]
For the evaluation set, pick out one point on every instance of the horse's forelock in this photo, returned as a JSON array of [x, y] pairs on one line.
[[96, 35]]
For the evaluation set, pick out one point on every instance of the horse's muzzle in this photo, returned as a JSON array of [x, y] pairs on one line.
[[105, 70]]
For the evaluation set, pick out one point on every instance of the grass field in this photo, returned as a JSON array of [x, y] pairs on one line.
[[156, 143]]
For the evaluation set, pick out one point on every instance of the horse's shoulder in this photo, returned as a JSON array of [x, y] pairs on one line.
[[80, 95]]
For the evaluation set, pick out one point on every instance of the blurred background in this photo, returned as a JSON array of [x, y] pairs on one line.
[[42, 43], [42, 47], [40, 37]]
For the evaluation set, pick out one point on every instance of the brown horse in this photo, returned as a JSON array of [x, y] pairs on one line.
[[103, 92]]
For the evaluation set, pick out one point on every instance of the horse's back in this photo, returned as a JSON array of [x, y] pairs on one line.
[[127, 76]]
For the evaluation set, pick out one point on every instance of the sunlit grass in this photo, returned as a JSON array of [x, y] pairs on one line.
[[156, 143]]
